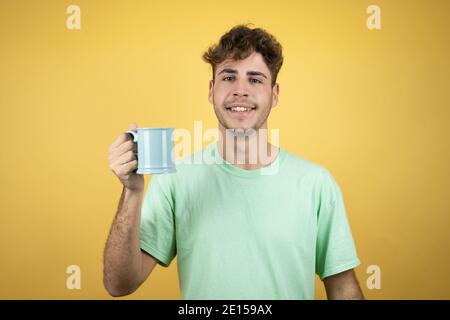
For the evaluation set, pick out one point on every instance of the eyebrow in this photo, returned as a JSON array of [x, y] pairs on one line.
[[249, 73]]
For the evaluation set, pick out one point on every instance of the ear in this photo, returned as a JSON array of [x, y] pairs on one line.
[[211, 92], [275, 92]]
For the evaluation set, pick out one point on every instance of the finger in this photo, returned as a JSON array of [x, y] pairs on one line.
[[129, 167], [124, 158], [123, 137], [132, 126], [123, 148], [120, 139]]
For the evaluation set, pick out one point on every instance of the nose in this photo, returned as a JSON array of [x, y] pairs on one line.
[[240, 93], [240, 89]]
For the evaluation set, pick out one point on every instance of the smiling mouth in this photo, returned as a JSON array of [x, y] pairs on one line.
[[240, 112], [238, 109]]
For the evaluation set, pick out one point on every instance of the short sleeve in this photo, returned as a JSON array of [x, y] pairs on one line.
[[157, 221], [335, 249]]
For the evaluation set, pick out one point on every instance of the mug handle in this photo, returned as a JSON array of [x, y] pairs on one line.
[[133, 134]]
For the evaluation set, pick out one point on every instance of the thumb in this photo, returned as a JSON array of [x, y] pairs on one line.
[[132, 126]]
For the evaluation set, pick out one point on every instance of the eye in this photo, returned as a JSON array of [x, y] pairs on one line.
[[228, 78], [254, 80]]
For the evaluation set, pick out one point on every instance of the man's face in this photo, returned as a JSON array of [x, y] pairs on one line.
[[242, 93]]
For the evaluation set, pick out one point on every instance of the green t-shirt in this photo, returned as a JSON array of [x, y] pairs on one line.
[[247, 234]]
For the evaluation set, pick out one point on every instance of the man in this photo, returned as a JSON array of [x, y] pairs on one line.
[[240, 229]]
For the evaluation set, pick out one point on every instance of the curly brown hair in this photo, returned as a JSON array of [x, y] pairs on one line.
[[240, 42]]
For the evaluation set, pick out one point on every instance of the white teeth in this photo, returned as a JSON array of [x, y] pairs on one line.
[[240, 109]]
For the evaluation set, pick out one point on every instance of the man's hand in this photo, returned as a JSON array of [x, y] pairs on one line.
[[123, 162], [343, 286]]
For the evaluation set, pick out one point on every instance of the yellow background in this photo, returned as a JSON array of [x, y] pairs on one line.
[[371, 106]]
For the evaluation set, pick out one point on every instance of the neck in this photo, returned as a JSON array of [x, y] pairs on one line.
[[246, 151]]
